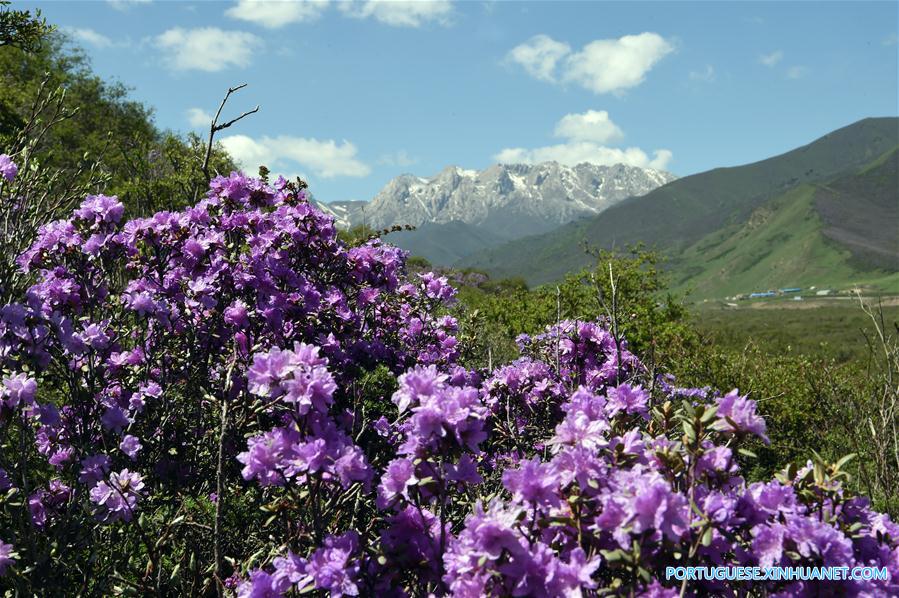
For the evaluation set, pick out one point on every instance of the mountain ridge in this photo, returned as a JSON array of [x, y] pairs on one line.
[[546, 192], [458, 211], [679, 214]]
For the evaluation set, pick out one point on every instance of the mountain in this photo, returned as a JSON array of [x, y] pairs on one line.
[[346, 213], [519, 199], [838, 190], [446, 243], [829, 235], [461, 211]]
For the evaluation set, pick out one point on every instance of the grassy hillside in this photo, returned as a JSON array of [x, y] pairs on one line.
[[861, 212], [708, 208], [832, 329], [446, 243]]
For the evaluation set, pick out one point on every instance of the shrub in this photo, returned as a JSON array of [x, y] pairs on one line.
[[231, 398]]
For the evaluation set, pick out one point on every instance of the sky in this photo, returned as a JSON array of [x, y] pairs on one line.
[[354, 93]]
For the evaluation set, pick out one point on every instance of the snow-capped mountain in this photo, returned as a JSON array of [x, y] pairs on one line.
[[518, 199]]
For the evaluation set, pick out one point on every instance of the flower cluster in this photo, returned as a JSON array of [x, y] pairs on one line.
[[602, 504], [235, 375], [134, 334]]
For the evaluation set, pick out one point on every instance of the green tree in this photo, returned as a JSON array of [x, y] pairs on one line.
[[629, 289], [148, 168], [21, 29]]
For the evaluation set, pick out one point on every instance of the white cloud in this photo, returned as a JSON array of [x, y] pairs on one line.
[[206, 48], [602, 66], [197, 117], [771, 59], [585, 133], [796, 72], [400, 158], [400, 13], [539, 56], [613, 65], [324, 158], [125, 4], [592, 125], [273, 14], [707, 74], [576, 152], [89, 36]]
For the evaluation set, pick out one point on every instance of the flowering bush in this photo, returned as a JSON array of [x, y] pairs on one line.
[[145, 353], [229, 398]]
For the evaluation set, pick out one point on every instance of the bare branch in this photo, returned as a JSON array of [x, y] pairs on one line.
[[215, 127]]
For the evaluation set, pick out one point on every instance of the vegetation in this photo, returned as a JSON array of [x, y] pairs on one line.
[[803, 366], [835, 329], [113, 139], [21, 29], [237, 397]]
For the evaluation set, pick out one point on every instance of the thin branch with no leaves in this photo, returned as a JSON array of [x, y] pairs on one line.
[[215, 127]]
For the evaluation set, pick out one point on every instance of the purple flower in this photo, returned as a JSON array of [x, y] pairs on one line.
[[93, 469], [638, 501], [236, 314], [442, 414], [290, 570], [464, 472], [45, 503], [632, 400], [131, 446], [398, 477], [19, 389], [412, 541], [8, 168], [534, 483], [768, 544], [115, 419], [7, 556], [335, 566], [737, 414], [299, 377], [37, 511], [418, 384], [263, 461], [819, 541], [261, 585], [117, 499], [100, 208]]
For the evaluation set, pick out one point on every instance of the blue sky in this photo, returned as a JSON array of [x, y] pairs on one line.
[[352, 94]]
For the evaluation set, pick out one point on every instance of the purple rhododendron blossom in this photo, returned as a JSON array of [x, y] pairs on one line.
[[8, 168], [117, 499], [131, 446], [245, 330], [737, 414], [6, 555]]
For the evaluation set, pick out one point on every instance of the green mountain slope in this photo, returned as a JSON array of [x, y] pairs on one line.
[[448, 242], [725, 228], [783, 244]]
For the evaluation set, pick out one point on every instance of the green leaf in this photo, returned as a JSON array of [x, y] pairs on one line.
[[710, 413], [839, 464]]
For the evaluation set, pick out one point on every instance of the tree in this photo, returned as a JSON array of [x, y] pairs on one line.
[[21, 29]]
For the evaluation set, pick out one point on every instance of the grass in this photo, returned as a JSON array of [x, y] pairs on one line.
[[833, 330], [780, 245]]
